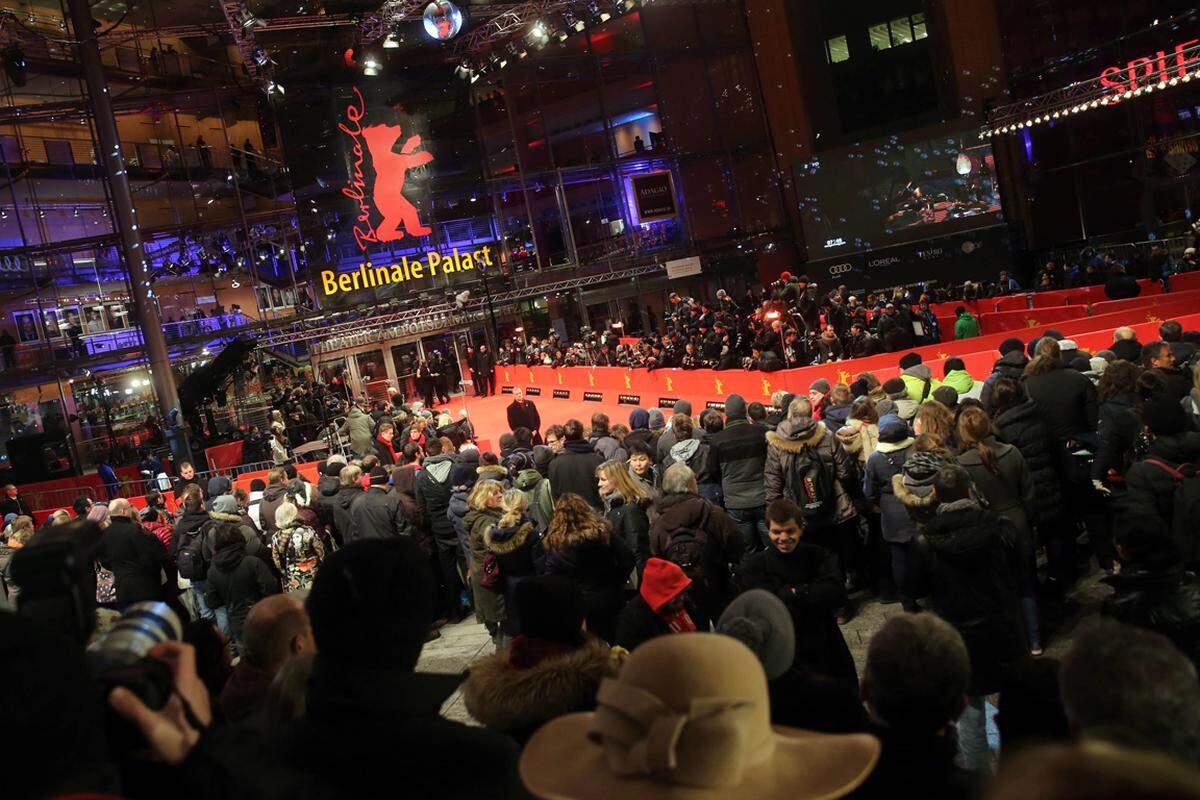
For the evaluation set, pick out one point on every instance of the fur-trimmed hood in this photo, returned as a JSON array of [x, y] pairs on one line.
[[516, 701], [787, 438], [910, 498], [219, 517], [505, 540]]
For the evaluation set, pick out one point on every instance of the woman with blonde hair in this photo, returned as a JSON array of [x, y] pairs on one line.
[[581, 546], [483, 511], [514, 544], [626, 500]]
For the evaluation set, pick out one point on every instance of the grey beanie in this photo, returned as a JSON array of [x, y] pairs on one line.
[[225, 504], [657, 421], [819, 385], [735, 407], [683, 407], [760, 620]]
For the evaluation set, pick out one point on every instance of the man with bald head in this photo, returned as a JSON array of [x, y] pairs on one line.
[[276, 629]]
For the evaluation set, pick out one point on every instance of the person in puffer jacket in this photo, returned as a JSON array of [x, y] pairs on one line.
[[860, 435], [602, 440], [913, 485], [838, 410], [955, 375], [539, 504], [516, 544], [918, 379], [434, 487], [463, 480], [236, 581], [696, 453], [898, 529], [1011, 364], [897, 394]]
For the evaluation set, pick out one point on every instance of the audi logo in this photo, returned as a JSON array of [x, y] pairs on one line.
[[840, 269]]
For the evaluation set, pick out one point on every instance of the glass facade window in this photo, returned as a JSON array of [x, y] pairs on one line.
[[880, 38], [837, 50], [901, 30], [918, 26]]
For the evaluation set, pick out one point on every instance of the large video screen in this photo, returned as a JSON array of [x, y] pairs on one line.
[[868, 196]]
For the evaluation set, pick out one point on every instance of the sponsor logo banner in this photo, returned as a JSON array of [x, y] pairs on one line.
[[593, 397], [629, 399], [667, 402], [533, 391], [562, 394], [506, 390], [715, 406]]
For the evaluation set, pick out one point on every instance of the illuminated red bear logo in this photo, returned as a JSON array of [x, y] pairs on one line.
[[391, 169]]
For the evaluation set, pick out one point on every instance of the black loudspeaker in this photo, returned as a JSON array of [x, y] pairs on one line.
[[206, 382], [28, 459]]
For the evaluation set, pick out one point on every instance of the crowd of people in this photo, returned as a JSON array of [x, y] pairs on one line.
[[791, 323], [662, 591]]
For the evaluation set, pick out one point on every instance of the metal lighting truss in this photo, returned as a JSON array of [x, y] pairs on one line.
[[1094, 93], [416, 320], [236, 14]]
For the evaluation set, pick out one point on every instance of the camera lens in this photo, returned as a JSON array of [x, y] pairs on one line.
[[142, 626]]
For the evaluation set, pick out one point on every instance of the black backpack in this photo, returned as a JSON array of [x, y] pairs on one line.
[[688, 549], [191, 559], [811, 486]]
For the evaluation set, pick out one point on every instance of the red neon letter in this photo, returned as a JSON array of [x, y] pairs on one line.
[[1145, 65], [1106, 79], [1181, 59]]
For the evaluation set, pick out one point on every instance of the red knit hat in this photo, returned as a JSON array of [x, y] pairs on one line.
[[662, 582]]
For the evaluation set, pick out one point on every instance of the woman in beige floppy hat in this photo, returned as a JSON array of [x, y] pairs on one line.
[[689, 717]]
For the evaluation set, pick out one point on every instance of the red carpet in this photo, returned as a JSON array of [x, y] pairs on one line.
[[490, 418]]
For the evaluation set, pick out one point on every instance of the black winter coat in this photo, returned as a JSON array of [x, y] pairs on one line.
[[630, 522], [327, 489], [1149, 489], [524, 415], [1066, 400], [236, 582], [343, 519], [809, 583], [966, 560], [738, 455], [638, 623], [378, 514], [600, 569], [135, 558], [1160, 595], [574, 471], [434, 484], [188, 522], [1023, 428], [1117, 431], [385, 722], [725, 547], [1010, 365]]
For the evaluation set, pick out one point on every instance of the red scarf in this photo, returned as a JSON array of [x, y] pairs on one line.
[[679, 622]]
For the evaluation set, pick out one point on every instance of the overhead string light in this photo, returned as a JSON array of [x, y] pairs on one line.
[[1109, 99]]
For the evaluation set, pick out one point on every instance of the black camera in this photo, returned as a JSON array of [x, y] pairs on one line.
[[58, 590]]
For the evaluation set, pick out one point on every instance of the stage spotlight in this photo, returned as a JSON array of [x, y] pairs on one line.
[[538, 36], [371, 66], [273, 88], [390, 42], [463, 71], [260, 57]]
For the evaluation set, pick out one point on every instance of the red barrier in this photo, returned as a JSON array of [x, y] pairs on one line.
[[1012, 302], [1001, 321], [1152, 301], [224, 456], [637, 387]]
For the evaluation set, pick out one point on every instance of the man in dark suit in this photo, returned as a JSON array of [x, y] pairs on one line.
[[13, 503], [523, 413]]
